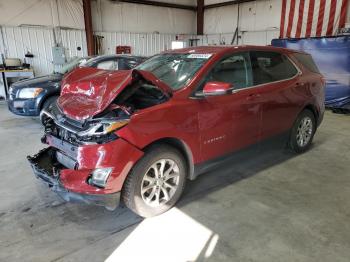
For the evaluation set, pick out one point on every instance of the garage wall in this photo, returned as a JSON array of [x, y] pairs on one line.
[[17, 41], [145, 44], [65, 13], [108, 16], [259, 22], [37, 25], [111, 16]]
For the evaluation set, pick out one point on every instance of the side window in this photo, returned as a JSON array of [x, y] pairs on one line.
[[234, 69], [108, 65], [270, 66], [307, 61], [127, 64]]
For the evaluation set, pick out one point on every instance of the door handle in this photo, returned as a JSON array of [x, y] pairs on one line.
[[253, 96]]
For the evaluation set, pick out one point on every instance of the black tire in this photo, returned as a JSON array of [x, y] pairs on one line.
[[293, 144], [47, 103], [131, 192]]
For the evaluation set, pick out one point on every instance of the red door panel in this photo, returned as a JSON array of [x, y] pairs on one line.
[[228, 123], [280, 104]]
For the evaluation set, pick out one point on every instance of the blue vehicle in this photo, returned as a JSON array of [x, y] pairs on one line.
[[29, 97]]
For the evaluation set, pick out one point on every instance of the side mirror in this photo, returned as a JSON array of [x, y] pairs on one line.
[[217, 88]]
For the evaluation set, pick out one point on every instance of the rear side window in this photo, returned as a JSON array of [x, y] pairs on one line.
[[307, 61], [270, 67]]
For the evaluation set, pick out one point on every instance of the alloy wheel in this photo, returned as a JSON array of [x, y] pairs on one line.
[[304, 131], [160, 182]]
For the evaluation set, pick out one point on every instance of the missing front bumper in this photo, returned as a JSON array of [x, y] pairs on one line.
[[46, 168]]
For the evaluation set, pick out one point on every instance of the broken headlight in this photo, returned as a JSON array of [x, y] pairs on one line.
[[103, 127], [99, 176]]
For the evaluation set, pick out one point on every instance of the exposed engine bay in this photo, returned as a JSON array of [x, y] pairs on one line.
[[138, 95]]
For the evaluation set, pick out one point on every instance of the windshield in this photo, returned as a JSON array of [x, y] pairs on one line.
[[174, 69], [73, 63]]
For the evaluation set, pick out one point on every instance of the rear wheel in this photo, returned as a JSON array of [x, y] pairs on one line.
[[46, 105], [302, 132], [156, 182]]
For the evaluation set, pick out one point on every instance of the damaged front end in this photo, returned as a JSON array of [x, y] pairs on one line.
[[47, 168], [86, 160]]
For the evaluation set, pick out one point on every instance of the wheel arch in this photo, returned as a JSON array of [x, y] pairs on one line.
[[313, 109], [179, 145], [45, 98]]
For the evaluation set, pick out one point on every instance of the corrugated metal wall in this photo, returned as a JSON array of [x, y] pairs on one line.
[[17, 41], [72, 39], [246, 38], [145, 44]]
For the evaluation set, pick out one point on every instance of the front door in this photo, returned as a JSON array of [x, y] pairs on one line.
[[229, 122]]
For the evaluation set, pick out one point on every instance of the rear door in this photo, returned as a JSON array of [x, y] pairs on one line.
[[229, 122], [278, 81]]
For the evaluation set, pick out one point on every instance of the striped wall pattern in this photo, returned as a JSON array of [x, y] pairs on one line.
[[312, 18]]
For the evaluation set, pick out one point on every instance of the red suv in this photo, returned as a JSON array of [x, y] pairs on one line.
[[140, 134]]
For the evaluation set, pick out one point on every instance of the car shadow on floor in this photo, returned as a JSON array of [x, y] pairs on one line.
[[238, 166]]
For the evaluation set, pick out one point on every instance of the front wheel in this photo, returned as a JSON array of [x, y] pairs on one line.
[[156, 182], [303, 132]]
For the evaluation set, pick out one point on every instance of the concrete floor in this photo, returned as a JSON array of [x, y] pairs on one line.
[[271, 206]]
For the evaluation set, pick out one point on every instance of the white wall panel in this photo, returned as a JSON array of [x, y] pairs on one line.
[[247, 38], [38, 41], [71, 40], [107, 15], [258, 21], [65, 13], [258, 37], [220, 20], [124, 17], [260, 15]]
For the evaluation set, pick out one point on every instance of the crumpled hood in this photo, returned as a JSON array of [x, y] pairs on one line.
[[88, 91]]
